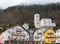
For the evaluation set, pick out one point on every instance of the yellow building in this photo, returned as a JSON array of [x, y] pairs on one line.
[[49, 36]]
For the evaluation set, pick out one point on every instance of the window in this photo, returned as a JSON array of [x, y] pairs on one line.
[[58, 31], [8, 31], [8, 37]]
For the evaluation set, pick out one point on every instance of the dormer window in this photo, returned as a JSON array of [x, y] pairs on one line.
[[8, 31], [12, 33], [8, 37]]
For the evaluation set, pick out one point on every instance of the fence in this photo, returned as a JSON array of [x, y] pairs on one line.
[[21, 42]]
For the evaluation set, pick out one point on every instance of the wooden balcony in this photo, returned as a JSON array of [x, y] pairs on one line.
[[39, 33], [19, 30], [50, 36], [18, 34], [37, 37], [58, 37], [50, 33]]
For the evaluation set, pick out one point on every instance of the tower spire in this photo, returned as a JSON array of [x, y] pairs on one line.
[[36, 20]]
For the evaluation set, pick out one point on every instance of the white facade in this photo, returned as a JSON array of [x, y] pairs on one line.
[[58, 36], [36, 20], [38, 35], [47, 23], [17, 33]]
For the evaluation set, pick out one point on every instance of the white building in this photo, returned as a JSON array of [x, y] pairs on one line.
[[46, 23], [36, 20], [38, 35], [58, 36], [16, 33]]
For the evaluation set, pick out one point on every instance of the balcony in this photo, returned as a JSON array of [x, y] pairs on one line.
[[38, 37], [19, 30], [58, 37], [51, 37], [50, 33], [39, 33]]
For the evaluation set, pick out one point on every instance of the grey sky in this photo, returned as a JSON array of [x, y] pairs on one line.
[[8, 3]]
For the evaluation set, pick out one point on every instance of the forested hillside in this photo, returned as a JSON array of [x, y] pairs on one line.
[[20, 14]]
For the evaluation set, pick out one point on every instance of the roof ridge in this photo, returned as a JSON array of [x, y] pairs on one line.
[[24, 29]]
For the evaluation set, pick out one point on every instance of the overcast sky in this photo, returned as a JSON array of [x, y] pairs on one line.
[[8, 3]]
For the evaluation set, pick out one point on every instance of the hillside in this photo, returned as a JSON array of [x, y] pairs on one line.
[[20, 14]]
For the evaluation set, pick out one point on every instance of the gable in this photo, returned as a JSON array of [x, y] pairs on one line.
[[38, 35], [50, 31], [17, 33]]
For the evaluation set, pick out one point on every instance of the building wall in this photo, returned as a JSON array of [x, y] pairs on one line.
[[17, 33], [49, 36], [58, 36], [38, 35]]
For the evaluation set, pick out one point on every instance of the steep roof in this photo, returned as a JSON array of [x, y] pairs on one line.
[[25, 29], [48, 29]]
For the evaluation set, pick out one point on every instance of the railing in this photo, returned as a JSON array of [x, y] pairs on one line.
[[22, 42]]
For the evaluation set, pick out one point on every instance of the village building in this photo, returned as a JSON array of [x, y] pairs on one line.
[[58, 36], [16, 33], [38, 36], [49, 36], [46, 23], [43, 23]]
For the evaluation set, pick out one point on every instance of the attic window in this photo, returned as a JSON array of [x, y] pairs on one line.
[[12, 33], [8, 31]]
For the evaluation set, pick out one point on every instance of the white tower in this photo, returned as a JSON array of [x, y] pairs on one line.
[[36, 20]]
